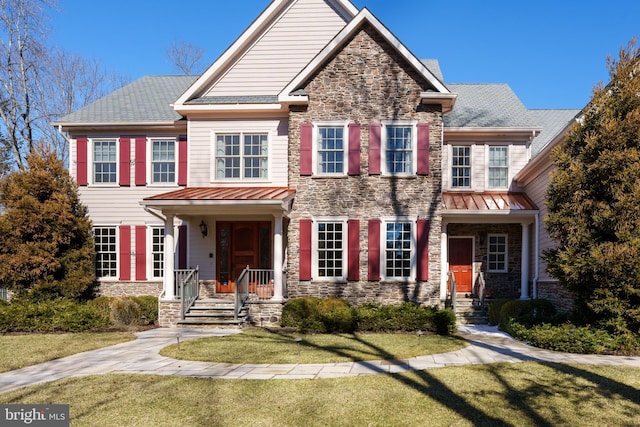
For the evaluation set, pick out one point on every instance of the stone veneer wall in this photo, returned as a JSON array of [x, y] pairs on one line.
[[553, 291], [265, 313], [168, 313], [133, 289], [366, 82]]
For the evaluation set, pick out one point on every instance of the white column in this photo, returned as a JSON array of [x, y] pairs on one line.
[[444, 265], [277, 259], [169, 257], [524, 267]]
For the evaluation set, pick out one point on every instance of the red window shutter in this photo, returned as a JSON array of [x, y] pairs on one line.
[[81, 161], [182, 247], [141, 252], [423, 249], [306, 149], [125, 252], [305, 249], [354, 149], [141, 160], [374, 249], [125, 158], [182, 160], [353, 255], [375, 130], [423, 148]]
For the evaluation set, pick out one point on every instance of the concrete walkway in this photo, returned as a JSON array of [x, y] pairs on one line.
[[141, 356]]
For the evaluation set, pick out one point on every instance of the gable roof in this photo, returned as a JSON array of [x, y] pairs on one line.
[[553, 122], [344, 9], [145, 101]]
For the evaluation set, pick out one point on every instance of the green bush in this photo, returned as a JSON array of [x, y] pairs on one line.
[[527, 313], [336, 315], [405, 317], [102, 304], [302, 313], [444, 321], [125, 312], [494, 310], [148, 308], [567, 338]]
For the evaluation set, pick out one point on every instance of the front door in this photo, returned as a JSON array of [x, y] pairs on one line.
[[461, 262], [240, 244]]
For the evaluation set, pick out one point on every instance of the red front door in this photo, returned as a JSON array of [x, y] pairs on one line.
[[461, 262]]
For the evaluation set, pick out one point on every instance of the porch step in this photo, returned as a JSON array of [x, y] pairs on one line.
[[468, 311], [212, 312]]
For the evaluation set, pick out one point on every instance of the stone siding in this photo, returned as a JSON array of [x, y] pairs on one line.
[[132, 289], [265, 313], [366, 82], [169, 313], [560, 297]]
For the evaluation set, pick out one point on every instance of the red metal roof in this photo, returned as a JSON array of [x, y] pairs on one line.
[[505, 201], [225, 193]]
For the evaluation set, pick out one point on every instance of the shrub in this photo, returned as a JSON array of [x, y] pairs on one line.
[[125, 312], [444, 321], [148, 308], [302, 313], [336, 315], [405, 317], [526, 313], [494, 310], [566, 338], [102, 304]]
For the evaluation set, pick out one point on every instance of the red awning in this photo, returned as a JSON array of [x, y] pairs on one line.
[[497, 202], [225, 193]]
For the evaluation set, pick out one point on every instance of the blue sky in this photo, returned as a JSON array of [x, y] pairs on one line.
[[551, 52]]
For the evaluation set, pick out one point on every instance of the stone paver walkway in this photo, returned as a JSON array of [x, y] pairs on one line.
[[141, 356]]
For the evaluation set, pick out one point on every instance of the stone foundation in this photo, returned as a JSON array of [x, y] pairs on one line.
[[553, 291], [168, 313], [132, 289], [265, 313]]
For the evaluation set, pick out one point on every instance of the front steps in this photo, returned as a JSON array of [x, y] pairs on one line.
[[469, 312], [214, 312]]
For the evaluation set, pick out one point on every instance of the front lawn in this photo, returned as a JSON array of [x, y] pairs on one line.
[[509, 394], [276, 346], [18, 351]]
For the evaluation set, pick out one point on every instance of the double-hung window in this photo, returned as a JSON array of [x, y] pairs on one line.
[[241, 156], [461, 167], [331, 146], [157, 251], [106, 251], [330, 249], [104, 162], [163, 161], [497, 253], [498, 167], [397, 251], [398, 149]]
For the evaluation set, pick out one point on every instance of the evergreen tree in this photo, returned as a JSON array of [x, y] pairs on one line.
[[594, 203], [47, 249]]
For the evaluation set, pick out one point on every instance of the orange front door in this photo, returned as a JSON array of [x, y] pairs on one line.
[[461, 262]]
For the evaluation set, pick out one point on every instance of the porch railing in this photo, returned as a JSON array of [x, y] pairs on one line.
[[479, 289], [188, 288], [253, 282], [452, 288]]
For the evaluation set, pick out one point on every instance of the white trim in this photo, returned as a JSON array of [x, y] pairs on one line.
[[213, 177], [314, 247], [91, 177], [487, 151], [117, 275], [413, 124], [471, 147], [414, 247], [149, 165], [506, 253], [149, 260], [315, 147]]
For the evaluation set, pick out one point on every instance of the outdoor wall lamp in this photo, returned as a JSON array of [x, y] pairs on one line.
[[204, 229]]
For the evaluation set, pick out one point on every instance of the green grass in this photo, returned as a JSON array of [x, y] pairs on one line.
[[513, 394], [276, 346], [38, 348]]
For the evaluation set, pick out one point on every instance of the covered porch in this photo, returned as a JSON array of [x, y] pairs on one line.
[[227, 243]]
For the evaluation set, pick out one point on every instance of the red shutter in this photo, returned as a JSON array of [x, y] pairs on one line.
[[374, 148], [423, 148], [182, 160], [81, 160], [182, 247], [305, 249], [125, 158], [353, 255], [125, 252], [423, 249], [354, 149], [306, 149], [374, 249], [141, 161], [141, 252]]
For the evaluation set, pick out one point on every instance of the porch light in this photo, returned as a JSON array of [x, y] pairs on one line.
[[204, 229]]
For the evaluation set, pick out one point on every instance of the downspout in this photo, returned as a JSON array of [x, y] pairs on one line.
[[536, 267], [154, 213]]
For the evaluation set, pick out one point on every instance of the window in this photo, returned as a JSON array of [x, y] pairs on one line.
[[241, 156], [331, 150], [498, 167], [157, 252], [397, 250], [330, 249], [398, 150], [106, 251], [163, 161], [104, 161], [461, 167], [497, 253]]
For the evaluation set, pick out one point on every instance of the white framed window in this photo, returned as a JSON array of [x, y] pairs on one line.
[[398, 249], [399, 148], [104, 161], [157, 252], [461, 166], [163, 161], [330, 149], [106, 246], [497, 253], [498, 167], [330, 248], [241, 156]]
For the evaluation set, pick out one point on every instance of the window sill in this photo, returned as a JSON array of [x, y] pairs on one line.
[[103, 185], [392, 281], [330, 280], [329, 177], [389, 176]]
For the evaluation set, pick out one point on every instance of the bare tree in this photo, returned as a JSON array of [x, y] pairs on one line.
[[185, 57]]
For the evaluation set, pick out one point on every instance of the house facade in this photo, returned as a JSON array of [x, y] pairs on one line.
[[317, 156]]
